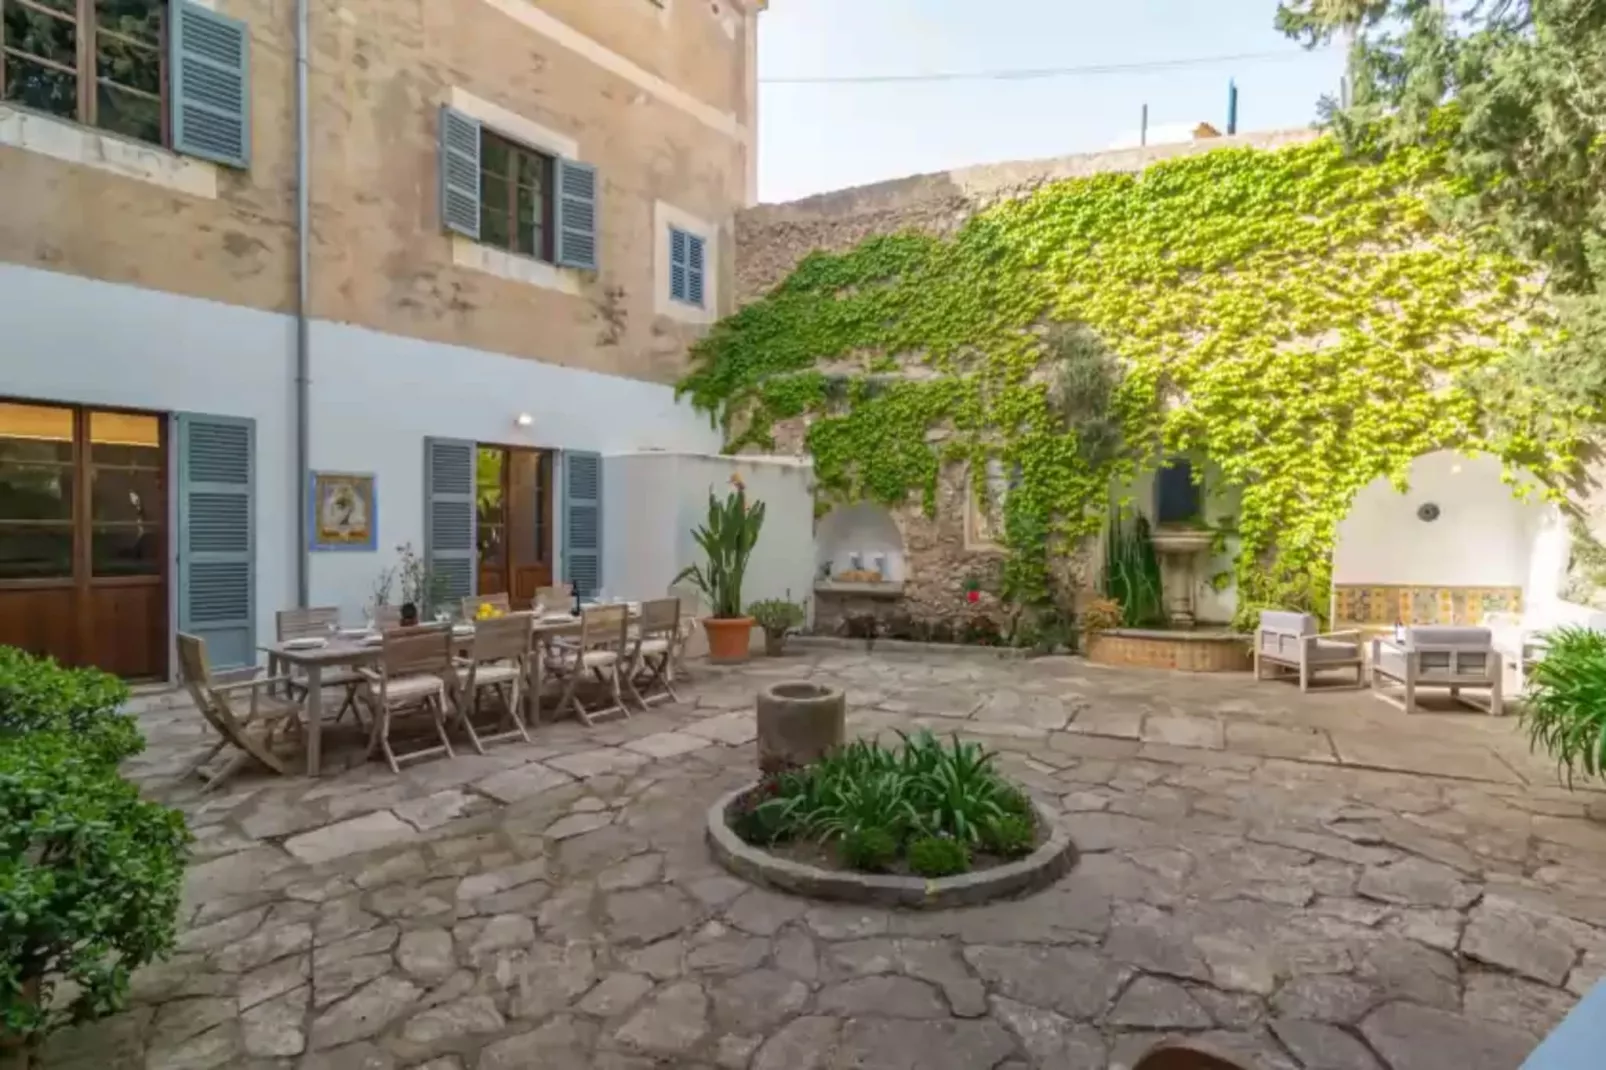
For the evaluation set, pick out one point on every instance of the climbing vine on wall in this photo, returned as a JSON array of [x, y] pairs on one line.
[[1297, 317]]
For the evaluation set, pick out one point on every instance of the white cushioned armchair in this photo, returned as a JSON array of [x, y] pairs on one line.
[[1437, 656], [1288, 642]]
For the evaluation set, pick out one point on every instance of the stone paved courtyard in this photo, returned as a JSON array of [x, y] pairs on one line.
[[1309, 882]]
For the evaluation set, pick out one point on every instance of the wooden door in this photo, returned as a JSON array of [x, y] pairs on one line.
[[83, 536], [529, 524]]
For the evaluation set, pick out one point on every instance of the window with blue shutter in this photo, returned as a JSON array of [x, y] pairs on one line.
[[582, 521], [575, 212], [1176, 495], [211, 85], [686, 258], [449, 518], [216, 536], [460, 173]]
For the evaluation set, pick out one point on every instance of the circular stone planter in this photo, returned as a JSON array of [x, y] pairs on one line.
[[798, 724], [1036, 871]]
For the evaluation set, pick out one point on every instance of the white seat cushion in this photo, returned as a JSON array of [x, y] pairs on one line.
[[412, 688], [655, 646], [486, 675], [597, 659]]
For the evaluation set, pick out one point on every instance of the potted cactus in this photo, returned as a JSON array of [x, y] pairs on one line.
[[727, 540]]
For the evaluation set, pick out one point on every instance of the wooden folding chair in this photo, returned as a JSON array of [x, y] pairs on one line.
[[252, 734], [319, 622], [387, 617], [600, 650], [498, 661], [559, 599], [690, 608], [414, 669], [472, 604], [657, 633]]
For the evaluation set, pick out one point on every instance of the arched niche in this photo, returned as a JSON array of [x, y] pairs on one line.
[[862, 528]]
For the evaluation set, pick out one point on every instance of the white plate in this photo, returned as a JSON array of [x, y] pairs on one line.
[[354, 633], [311, 642], [372, 640], [462, 629]]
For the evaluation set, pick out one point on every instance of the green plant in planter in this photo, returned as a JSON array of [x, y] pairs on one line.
[[727, 539], [938, 856], [90, 877], [1132, 572], [778, 617], [1564, 703]]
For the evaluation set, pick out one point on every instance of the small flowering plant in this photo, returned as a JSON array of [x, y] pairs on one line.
[[972, 589]]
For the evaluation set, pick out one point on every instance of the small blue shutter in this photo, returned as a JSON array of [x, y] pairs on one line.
[[582, 521], [576, 212], [211, 85], [460, 173], [216, 542], [449, 517], [694, 270], [679, 240]]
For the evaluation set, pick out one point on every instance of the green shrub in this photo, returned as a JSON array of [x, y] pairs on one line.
[[938, 856], [1010, 835], [38, 695], [872, 850], [90, 877], [1564, 703]]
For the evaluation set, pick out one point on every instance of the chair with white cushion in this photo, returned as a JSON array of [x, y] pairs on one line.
[[1288, 642], [657, 634], [601, 651], [498, 662], [1437, 656], [414, 671]]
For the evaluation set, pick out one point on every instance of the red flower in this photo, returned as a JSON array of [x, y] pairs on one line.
[[973, 596]]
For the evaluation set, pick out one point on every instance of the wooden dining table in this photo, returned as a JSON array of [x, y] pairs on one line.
[[346, 652]]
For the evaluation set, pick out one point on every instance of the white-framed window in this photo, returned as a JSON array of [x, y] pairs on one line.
[[688, 259]]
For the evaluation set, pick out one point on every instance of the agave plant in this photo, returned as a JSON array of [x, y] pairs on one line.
[[727, 540], [1564, 705]]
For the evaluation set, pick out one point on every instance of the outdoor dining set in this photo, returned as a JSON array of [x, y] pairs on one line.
[[449, 675]]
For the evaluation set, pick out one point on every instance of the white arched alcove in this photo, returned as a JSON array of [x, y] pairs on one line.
[[1457, 525], [865, 529]]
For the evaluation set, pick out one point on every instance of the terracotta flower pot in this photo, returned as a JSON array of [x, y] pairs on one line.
[[728, 637]]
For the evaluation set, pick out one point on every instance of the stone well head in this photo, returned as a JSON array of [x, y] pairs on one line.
[[799, 722]]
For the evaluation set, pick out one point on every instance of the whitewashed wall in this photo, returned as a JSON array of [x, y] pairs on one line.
[[654, 501], [1484, 535], [374, 399]]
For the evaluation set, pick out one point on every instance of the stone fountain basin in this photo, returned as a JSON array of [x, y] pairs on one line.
[[1181, 540]]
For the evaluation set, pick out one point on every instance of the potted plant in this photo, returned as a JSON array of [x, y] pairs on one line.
[[423, 589], [727, 540], [778, 617], [1564, 703]]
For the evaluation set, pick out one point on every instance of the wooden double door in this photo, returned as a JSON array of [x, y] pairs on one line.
[[513, 522], [84, 536]]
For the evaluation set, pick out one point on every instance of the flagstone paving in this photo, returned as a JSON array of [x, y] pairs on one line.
[[1306, 882]]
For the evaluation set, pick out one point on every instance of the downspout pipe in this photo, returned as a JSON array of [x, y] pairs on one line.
[[303, 313]]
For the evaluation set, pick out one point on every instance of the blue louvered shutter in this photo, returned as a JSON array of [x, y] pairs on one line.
[[449, 517], [460, 173], [679, 241], [582, 521], [694, 270], [211, 85], [576, 212], [216, 536]]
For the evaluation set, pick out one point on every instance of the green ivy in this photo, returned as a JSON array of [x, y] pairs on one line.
[[1297, 316]]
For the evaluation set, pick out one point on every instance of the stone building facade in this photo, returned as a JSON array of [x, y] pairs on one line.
[[149, 266], [943, 554]]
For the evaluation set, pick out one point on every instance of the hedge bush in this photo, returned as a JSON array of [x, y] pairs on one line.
[[90, 874], [38, 695]]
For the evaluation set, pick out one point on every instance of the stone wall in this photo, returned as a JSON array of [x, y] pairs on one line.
[[772, 238], [659, 97]]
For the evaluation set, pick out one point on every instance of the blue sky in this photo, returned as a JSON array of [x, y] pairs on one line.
[[820, 137]]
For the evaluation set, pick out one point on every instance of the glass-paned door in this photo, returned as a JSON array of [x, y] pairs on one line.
[[83, 530], [513, 501]]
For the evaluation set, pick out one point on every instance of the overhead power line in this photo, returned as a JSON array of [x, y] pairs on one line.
[[1041, 72]]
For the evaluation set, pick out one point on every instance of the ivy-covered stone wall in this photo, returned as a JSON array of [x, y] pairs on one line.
[[1300, 320]]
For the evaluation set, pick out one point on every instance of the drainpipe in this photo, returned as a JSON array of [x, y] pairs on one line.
[[303, 301]]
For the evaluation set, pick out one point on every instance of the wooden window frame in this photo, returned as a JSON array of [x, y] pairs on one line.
[[518, 153], [86, 23]]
